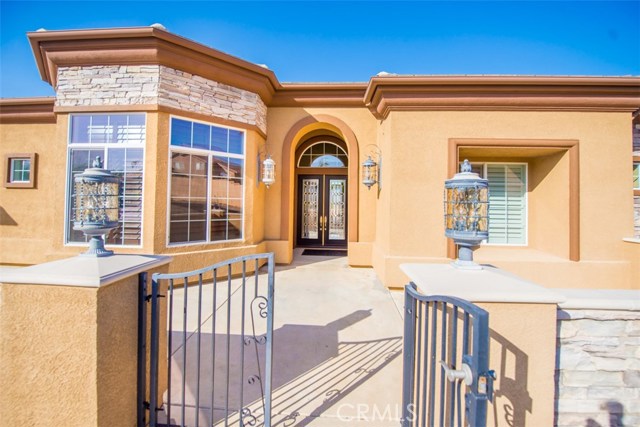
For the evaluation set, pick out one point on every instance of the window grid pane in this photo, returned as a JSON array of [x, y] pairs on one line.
[[207, 188], [114, 138], [323, 155], [20, 170]]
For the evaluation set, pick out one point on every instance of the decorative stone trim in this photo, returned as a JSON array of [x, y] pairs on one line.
[[598, 368], [118, 85], [107, 85], [196, 94]]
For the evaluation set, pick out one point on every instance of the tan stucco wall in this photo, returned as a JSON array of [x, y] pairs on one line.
[[280, 121], [523, 355], [48, 355], [26, 218], [70, 353], [414, 213], [400, 223]]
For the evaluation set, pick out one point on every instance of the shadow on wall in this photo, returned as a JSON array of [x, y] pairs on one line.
[[616, 412], [312, 371], [5, 218], [511, 397]]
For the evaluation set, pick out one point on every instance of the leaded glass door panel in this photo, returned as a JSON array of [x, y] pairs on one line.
[[322, 211]]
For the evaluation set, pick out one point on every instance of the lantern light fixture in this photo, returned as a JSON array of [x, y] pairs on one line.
[[266, 169], [466, 213], [96, 206], [372, 169]]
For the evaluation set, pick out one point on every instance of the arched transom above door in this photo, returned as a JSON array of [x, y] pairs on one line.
[[323, 154]]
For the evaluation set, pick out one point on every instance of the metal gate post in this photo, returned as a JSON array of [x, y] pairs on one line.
[[408, 357], [269, 350], [153, 372], [142, 348], [482, 388]]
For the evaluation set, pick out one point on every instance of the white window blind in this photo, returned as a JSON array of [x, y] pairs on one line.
[[507, 203]]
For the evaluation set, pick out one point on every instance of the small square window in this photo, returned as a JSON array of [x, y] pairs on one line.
[[20, 170]]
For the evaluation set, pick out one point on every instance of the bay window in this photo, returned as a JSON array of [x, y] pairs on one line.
[[119, 141], [206, 184]]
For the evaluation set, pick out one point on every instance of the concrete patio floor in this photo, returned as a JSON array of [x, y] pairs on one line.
[[337, 349]]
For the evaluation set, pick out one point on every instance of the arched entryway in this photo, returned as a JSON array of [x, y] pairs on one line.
[[321, 194]]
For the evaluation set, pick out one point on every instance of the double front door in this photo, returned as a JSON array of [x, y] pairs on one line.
[[322, 211]]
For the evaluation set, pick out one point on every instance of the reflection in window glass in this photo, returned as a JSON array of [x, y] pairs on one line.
[[119, 141], [323, 155], [206, 184]]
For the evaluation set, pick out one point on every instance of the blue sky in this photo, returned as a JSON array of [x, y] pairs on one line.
[[332, 41]]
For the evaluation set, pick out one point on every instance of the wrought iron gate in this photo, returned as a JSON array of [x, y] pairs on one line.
[[219, 346], [436, 328]]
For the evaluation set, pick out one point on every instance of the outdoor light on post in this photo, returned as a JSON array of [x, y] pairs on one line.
[[371, 170], [96, 208], [466, 213]]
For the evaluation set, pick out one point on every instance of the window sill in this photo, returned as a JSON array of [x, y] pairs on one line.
[[635, 240], [515, 253]]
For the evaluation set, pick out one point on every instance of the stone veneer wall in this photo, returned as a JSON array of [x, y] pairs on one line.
[[598, 368], [155, 84], [189, 92]]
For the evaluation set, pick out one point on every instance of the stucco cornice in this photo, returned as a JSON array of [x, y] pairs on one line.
[[27, 110], [418, 93], [146, 46], [320, 95]]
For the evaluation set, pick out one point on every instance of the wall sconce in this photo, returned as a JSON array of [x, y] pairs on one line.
[[266, 171], [466, 213], [96, 208], [372, 170]]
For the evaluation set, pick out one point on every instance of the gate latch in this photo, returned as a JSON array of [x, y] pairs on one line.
[[464, 374], [485, 383]]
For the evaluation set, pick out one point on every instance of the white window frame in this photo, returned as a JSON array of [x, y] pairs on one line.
[[105, 147], [526, 200], [209, 154]]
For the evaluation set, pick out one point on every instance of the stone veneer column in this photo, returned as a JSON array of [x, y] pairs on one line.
[[68, 341], [598, 365], [121, 85]]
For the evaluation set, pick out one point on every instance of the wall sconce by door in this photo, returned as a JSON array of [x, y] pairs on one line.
[[266, 171], [372, 169]]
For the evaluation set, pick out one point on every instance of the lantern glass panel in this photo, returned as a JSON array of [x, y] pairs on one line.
[[369, 173]]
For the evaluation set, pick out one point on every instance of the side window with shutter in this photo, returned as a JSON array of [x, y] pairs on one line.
[[507, 203]]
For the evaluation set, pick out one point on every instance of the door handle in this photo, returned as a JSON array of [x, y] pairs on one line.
[[463, 374]]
